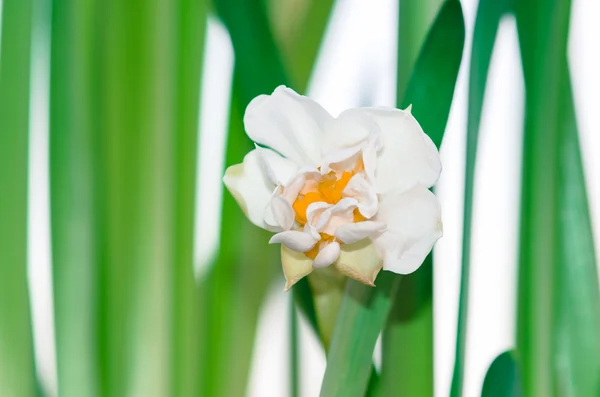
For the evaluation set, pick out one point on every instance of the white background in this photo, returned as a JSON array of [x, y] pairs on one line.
[[350, 55]]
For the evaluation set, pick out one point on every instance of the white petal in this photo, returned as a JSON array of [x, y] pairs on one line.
[[288, 123], [327, 255], [250, 187], [360, 189], [414, 224], [279, 170], [349, 129], [339, 214], [279, 213], [295, 240], [408, 155], [316, 214], [353, 232]]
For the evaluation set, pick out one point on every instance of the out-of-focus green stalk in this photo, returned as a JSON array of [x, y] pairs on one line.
[[72, 183], [414, 19], [246, 267], [301, 37], [17, 373], [503, 378], [577, 355], [135, 163], [190, 26], [543, 31], [430, 90], [236, 286], [294, 352], [489, 13], [125, 86], [407, 340]]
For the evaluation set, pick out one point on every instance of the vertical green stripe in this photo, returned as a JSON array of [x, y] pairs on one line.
[[16, 352], [487, 21], [543, 31], [577, 356], [72, 183], [190, 31]]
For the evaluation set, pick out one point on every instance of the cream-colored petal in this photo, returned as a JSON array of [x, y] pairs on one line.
[[295, 266], [350, 233], [408, 156], [327, 255], [278, 169], [340, 214], [250, 187], [414, 224], [361, 190], [360, 261], [288, 123], [295, 240]]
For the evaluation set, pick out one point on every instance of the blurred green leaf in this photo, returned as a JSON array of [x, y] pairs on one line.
[[17, 373], [543, 32], [488, 17], [124, 115], [246, 267], [430, 91], [409, 366], [73, 199], [577, 356], [502, 378], [189, 31], [414, 20]]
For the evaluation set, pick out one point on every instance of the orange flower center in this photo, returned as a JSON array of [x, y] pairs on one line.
[[327, 189]]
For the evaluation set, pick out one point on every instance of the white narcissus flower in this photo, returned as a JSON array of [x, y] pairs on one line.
[[351, 191]]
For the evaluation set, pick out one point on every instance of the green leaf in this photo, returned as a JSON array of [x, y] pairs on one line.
[[543, 32], [409, 366], [364, 310], [72, 204], [577, 356], [361, 317], [17, 374], [484, 36], [502, 378], [246, 266]]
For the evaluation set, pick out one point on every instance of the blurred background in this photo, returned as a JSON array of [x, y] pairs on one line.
[[143, 276]]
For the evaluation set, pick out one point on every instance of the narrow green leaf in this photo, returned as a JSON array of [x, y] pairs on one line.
[[16, 351], [409, 366], [72, 184], [246, 266], [543, 32], [362, 315], [300, 37], [189, 29], [488, 17], [430, 91], [577, 360], [502, 378], [414, 20]]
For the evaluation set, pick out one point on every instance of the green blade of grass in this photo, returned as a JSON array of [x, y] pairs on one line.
[[502, 378], [190, 24], [72, 195], [407, 340], [414, 19], [484, 36], [577, 360], [246, 266], [17, 374], [543, 31], [430, 91], [134, 159]]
